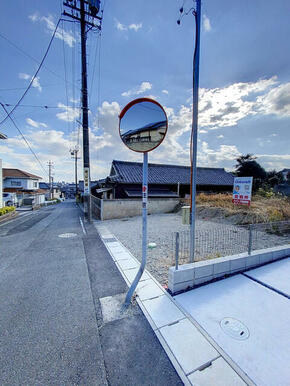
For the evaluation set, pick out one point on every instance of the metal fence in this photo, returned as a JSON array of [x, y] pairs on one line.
[[226, 240]]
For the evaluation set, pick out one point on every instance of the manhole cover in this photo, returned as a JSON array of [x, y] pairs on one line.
[[235, 328], [67, 235]]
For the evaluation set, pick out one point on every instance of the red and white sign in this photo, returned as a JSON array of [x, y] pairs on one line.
[[242, 192]]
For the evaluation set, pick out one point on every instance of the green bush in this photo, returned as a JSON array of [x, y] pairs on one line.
[[266, 192], [6, 209]]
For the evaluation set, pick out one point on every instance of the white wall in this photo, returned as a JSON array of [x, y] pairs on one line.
[[133, 207], [20, 183]]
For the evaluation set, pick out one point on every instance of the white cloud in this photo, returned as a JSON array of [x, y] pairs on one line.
[[277, 101], [202, 131], [206, 23], [34, 17], [144, 86], [224, 107], [24, 76], [35, 83], [69, 114], [220, 136], [123, 27], [33, 123], [135, 27], [165, 92], [120, 26], [66, 36]]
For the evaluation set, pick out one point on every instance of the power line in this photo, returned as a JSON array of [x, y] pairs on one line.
[[37, 106], [30, 57], [22, 135], [34, 76], [65, 75]]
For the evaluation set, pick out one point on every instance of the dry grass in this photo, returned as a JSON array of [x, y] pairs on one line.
[[261, 210]]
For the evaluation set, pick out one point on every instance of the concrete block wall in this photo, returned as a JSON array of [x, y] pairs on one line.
[[190, 275], [133, 207]]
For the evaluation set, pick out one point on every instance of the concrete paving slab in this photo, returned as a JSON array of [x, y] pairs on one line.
[[131, 274], [275, 275], [218, 373], [266, 314], [148, 289], [163, 311], [188, 345], [128, 263]]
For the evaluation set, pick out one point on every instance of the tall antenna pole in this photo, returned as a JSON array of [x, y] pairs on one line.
[[86, 13], [196, 13]]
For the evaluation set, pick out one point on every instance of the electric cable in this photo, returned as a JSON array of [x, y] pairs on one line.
[[30, 57], [65, 77], [23, 137], [34, 76]]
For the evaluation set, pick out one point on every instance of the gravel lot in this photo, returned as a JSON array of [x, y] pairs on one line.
[[214, 239]]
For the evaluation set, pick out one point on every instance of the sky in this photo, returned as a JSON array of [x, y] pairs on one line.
[[244, 95]]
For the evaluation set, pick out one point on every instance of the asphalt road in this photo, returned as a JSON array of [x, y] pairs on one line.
[[51, 326]]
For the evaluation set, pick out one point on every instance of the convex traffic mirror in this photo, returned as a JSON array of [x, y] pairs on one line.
[[143, 125]]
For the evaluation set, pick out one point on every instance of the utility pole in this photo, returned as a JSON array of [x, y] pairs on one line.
[[197, 14], [50, 166], [85, 11], [74, 154]]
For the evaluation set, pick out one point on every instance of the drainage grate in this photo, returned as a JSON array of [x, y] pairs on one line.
[[234, 328]]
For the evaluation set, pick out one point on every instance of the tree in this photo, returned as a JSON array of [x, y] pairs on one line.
[[247, 166], [274, 178]]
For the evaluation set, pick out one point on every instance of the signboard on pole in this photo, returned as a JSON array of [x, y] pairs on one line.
[[242, 192], [86, 181]]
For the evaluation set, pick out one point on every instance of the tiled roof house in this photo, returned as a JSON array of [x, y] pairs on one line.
[[125, 180]]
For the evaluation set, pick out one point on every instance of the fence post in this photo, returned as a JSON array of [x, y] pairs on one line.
[[250, 239], [176, 250]]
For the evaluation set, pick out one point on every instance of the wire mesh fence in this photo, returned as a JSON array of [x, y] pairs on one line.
[[226, 240]]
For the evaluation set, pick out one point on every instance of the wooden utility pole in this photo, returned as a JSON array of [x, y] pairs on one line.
[[86, 13], [50, 165], [74, 154]]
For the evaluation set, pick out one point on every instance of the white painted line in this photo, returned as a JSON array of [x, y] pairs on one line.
[[82, 225]]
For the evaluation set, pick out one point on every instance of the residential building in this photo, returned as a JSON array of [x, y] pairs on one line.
[[22, 183], [125, 181]]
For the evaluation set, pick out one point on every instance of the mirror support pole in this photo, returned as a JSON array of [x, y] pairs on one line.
[[144, 230], [194, 129]]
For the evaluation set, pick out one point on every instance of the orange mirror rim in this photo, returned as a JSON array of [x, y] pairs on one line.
[[128, 106]]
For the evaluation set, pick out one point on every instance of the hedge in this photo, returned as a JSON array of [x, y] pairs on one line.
[[6, 209]]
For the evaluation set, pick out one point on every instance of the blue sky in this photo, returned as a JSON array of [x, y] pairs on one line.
[[244, 82]]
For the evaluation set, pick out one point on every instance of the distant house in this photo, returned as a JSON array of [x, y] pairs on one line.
[[286, 174], [46, 188], [22, 183], [152, 133], [164, 181]]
